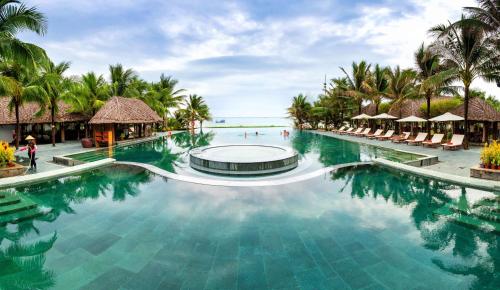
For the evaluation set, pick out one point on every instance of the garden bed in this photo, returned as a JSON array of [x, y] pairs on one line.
[[485, 173], [12, 171]]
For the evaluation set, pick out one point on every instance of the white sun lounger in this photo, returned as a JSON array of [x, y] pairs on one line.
[[456, 142], [435, 141], [418, 140]]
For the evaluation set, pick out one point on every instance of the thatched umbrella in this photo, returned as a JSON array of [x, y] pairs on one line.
[[411, 119]]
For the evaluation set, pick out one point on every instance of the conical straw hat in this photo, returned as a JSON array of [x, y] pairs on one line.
[[29, 138]]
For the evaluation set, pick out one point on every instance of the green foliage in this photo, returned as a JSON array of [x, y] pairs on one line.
[[441, 106], [384, 108]]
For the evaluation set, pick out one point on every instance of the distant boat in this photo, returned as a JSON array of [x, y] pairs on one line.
[[220, 121]]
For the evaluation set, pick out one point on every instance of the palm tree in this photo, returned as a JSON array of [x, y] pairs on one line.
[[467, 50], [358, 82], [194, 104], [204, 115], [433, 77], [401, 86], [120, 79], [89, 94], [378, 86], [53, 83], [167, 96], [299, 110], [16, 81], [487, 15], [17, 17]]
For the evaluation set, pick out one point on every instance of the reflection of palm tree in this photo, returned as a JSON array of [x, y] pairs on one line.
[[303, 142], [189, 141], [26, 262]]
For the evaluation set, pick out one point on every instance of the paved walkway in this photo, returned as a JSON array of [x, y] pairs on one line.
[[452, 162]]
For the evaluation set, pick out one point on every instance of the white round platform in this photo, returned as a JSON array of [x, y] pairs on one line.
[[243, 159]]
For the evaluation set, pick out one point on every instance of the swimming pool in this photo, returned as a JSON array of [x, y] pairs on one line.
[[315, 151], [366, 228]]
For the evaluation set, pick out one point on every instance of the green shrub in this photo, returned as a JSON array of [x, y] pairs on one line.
[[441, 106]]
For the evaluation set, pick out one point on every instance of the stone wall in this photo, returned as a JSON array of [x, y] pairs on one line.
[[12, 171], [483, 173]]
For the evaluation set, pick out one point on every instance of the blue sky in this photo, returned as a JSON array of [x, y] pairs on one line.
[[247, 58]]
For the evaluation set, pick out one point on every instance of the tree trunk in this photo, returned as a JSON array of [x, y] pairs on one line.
[[18, 131], [360, 107], [428, 113], [53, 124], [466, 117], [376, 108]]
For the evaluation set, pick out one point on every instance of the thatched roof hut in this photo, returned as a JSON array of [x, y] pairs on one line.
[[479, 110], [120, 110], [369, 109], [408, 108], [28, 114]]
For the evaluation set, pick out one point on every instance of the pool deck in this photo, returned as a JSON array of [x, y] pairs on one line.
[[456, 162]]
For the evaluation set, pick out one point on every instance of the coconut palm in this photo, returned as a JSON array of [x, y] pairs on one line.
[[120, 79], [53, 83], [486, 16], [378, 86], [434, 78], [16, 17], [166, 96], [204, 115], [299, 110], [89, 94], [194, 105], [358, 82], [16, 81], [472, 55], [401, 86]]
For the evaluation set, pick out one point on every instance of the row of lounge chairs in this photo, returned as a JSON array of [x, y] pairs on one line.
[[437, 139]]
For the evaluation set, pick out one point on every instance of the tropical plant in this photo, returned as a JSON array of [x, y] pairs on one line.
[[401, 86], [121, 80], [299, 110], [194, 105], [441, 106], [358, 82], [204, 115], [378, 86], [53, 83], [472, 55], [434, 78], [16, 17], [17, 82], [6, 154], [89, 94]]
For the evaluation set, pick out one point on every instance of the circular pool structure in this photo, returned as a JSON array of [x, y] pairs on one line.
[[243, 159]]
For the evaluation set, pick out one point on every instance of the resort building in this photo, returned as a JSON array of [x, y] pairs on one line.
[[69, 125], [121, 119]]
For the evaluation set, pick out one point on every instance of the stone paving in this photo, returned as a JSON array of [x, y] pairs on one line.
[[453, 162]]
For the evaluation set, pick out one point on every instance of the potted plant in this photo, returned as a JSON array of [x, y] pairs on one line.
[[6, 155]]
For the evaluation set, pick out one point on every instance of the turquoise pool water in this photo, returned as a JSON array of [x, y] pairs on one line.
[[365, 228], [369, 228], [315, 151]]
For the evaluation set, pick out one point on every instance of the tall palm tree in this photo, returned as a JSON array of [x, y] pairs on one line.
[[204, 115], [487, 15], [194, 104], [120, 79], [401, 86], [53, 83], [165, 93], [358, 86], [433, 76], [299, 110], [471, 53], [378, 85], [16, 81], [89, 94], [16, 17]]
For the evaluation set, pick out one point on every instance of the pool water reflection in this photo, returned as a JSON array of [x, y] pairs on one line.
[[369, 228]]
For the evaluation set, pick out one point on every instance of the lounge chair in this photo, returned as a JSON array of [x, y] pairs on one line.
[[347, 131], [435, 141], [355, 132], [400, 138], [418, 140], [339, 129], [456, 142], [365, 132], [375, 135], [387, 135]]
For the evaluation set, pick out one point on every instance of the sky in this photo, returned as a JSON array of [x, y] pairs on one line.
[[246, 58]]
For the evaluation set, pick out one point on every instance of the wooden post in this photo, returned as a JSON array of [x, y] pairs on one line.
[[484, 139], [63, 137], [495, 130]]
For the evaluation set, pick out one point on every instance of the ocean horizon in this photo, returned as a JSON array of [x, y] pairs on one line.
[[248, 121]]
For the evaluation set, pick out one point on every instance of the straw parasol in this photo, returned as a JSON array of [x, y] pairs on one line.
[[446, 117], [384, 116], [361, 117], [411, 119]]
